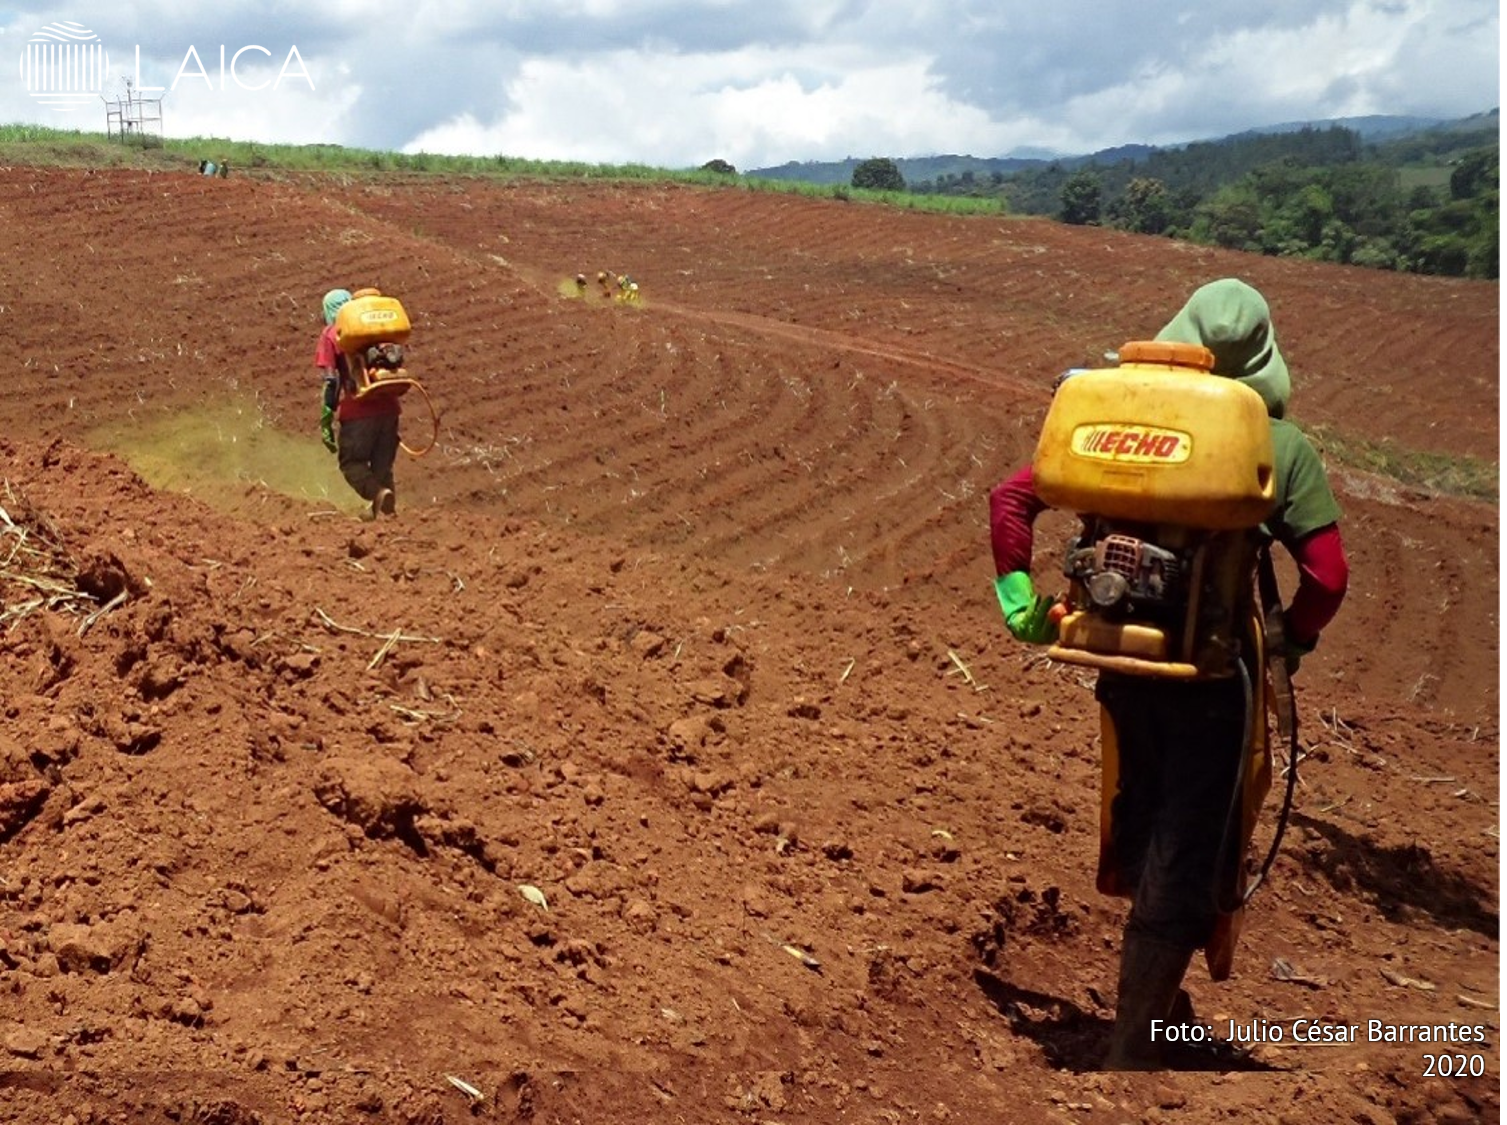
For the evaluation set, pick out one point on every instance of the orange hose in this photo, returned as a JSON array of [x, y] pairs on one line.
[[434, 435]]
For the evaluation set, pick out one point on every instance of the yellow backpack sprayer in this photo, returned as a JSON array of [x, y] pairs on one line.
[[370, 331], [1172, 472], [1172, 468]]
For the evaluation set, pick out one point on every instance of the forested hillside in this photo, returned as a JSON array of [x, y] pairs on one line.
[[1426, 203], [1417, 197]]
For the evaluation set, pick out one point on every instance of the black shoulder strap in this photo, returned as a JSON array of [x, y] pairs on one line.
[[1284, 703], [347, 376], [1274, 631]]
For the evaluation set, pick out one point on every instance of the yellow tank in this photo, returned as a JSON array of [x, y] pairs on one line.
[[369, 318], [1158, 440]]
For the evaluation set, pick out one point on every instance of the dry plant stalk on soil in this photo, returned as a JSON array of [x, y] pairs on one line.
[[36, 569]]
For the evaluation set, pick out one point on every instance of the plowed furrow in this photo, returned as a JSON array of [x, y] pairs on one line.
[[721, 493], [1418, 640], [817, 523]]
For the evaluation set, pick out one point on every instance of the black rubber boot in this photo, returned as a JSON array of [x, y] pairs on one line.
[[1150, 975]]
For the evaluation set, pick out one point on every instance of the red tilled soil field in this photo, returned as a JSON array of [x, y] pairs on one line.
[[665, 758]]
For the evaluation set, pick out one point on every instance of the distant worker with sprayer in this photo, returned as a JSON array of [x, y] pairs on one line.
[[360, 353], [1183, 470]]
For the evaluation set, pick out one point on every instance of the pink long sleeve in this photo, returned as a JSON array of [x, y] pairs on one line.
[[1323, 577], [1013, 508]]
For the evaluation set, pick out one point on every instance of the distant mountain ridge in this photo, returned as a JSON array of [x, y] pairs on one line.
[[919, 169], [1375, 126]]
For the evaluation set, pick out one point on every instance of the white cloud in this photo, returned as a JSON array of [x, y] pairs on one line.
[[1358, 61], [752, 107], [679, 82], [271, 116]]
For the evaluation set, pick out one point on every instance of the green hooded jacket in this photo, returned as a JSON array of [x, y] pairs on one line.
[[1233, 321]]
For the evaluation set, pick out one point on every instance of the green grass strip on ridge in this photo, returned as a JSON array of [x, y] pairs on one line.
[[1449, 474], [40, 145]]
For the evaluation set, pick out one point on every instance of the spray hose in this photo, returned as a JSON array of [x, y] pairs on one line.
[[434, 418], [1287, 729], [386, 386], [1284, 703]]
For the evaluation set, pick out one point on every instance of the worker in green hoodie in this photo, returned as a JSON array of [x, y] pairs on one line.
[[1180, 742]]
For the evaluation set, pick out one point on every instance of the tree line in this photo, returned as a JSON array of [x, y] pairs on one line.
[[1319, 193]]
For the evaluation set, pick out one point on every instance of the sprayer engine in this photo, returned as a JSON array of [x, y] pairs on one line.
[[384, 357], [1124, 575]]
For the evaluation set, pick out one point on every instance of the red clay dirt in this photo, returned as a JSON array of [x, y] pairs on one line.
[[665, 759]]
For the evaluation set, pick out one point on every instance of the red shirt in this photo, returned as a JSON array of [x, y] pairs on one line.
[[329, 360]]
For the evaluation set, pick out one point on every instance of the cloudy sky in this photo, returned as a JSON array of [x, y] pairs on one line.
[[675, 83]]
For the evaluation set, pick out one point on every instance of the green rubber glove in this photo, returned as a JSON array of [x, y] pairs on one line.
[[1294, 650], [1026, 612], [327, 428]]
